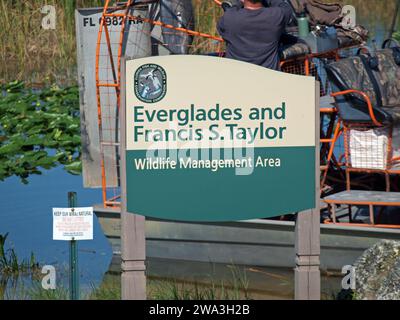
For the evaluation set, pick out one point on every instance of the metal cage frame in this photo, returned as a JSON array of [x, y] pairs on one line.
[[304, 65]]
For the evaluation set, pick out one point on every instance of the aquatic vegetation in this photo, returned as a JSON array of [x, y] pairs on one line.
[[38, 130], [236, 288], [10, 265], [163, 290], [36, 292], [108, 290], [158, 290], [30, 289], [397, 35]]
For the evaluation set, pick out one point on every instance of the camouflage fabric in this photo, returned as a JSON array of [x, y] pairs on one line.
[[351, 74], [388, 78], [395, 113], [293, 51], [396, 138], [319, 12], [358, 35]]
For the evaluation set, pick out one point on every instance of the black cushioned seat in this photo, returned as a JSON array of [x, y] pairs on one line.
[[353, 110], [352, 73]]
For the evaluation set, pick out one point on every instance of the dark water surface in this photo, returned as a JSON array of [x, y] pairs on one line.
[[26, 214]]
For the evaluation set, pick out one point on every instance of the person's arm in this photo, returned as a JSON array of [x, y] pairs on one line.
[[221, 27], [285, 6]]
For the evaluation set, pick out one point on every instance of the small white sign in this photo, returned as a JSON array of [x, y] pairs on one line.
[[72, 224]]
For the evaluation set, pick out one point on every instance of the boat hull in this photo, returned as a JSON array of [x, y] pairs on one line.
[[266, 243]]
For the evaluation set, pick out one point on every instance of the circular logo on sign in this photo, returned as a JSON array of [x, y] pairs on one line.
[[150, 83]]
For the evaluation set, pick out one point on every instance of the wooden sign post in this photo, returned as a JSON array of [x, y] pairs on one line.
[[307, 235], [133, 239], [207, 139]]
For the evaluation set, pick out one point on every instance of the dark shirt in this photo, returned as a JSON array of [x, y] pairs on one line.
[[253, 35]]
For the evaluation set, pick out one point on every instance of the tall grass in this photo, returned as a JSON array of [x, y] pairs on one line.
[[10, 264], [34, 55], [36, 292], [158, 289], [30, 53], [233, 287], [206, 15]]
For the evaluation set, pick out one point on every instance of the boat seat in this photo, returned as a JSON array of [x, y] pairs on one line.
[[327, 101], [352, 110], [292, 47], [356, 197], [365, 82], [294, 50], [351, 73], [381, 84], [363, 198], [387, 76]]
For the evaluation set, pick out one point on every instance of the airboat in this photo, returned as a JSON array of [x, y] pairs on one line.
[[351, 221]]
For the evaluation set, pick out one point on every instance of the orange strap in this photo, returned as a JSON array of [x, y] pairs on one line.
[[367, 100]]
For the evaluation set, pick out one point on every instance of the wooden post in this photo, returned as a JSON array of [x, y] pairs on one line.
[[307, 234], [133, 241], [307, 273], [133, 278]]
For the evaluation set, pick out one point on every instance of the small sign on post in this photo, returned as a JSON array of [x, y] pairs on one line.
[[73, 224]]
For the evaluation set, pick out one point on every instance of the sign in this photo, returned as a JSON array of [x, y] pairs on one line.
[[73, 224], [212, 139]]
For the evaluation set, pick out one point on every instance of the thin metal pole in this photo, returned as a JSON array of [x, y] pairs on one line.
[[73, 256], [393, 25]]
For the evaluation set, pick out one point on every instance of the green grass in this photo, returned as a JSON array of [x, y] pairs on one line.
[[236, 288], [39, 56], [11, 265], [163, 290], [157, 290], [110, 289], [35, 55], [36, 292]]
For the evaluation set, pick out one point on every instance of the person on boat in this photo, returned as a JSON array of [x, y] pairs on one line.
[[252, 31]]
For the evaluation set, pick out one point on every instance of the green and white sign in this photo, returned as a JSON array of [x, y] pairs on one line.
[[212, 139]]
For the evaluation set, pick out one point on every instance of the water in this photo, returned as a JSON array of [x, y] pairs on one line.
[[375, 15], [26, 214]]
